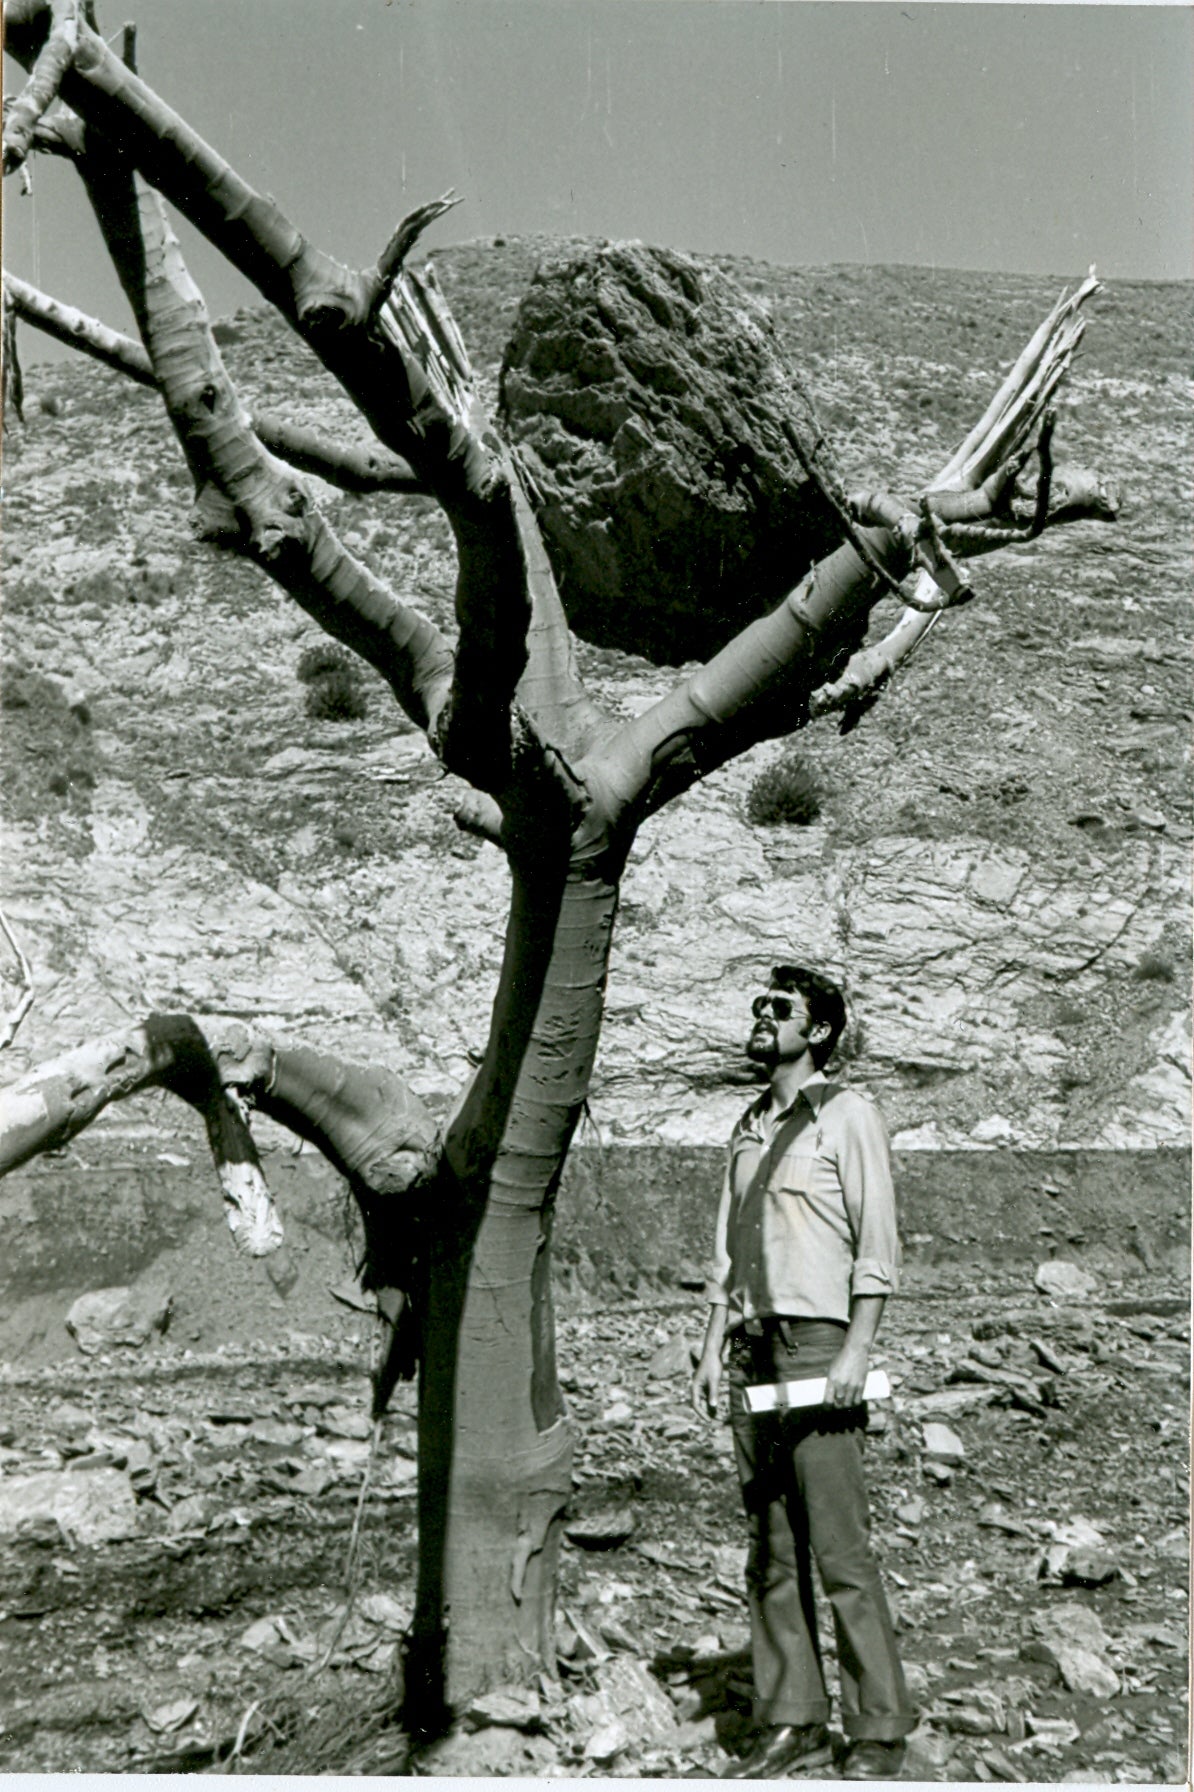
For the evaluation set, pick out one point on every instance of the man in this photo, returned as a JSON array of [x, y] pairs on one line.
[[806, 1253]]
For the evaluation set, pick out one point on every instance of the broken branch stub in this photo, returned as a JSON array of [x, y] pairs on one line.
[[186, 1065], [977, 475], [649, 400]]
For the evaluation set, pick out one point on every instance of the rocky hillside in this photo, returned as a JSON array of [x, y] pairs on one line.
[[1000, 863]]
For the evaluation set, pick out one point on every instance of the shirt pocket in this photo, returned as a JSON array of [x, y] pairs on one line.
[[792, 1174]]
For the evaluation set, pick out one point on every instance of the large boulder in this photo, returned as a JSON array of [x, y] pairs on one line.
[[650, 402]]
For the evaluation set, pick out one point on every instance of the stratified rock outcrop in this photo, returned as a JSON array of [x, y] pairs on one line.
[[653, 407]]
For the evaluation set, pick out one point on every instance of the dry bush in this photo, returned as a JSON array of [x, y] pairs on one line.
[[784, 793]]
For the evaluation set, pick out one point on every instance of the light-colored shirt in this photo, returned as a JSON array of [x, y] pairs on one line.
[[807, 1217]]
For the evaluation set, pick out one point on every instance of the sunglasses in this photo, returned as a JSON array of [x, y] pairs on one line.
[[782, 1007]]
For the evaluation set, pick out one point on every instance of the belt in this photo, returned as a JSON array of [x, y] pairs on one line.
[[766, 1328]]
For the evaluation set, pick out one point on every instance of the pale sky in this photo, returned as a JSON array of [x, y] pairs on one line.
[[1032, 138]]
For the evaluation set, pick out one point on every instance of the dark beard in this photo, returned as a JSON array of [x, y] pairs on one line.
[[762, 1046]]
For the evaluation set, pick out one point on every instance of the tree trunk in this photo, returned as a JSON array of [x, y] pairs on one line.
[[495, 1445]]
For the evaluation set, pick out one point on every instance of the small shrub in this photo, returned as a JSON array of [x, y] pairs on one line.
[[337, 696], [785, 792], [325, 656], [1154, 967], [336, 691], [347, 835]]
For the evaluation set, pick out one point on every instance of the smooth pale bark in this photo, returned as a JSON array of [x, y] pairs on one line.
[[45, 79], [243, 495], [363, 468], [755, 688], [367, 1122], [494, 1485], [48, 1107], [74, 328]]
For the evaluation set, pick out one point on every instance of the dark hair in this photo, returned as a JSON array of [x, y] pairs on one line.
[[826, 1004]]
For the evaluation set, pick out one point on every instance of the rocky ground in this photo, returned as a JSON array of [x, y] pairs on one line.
[[203, 1547]]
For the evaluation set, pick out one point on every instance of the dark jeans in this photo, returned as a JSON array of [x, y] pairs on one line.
[[805, 1496]]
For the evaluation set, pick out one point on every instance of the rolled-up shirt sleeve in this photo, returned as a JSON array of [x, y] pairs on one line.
[[717, 1287], [864, 1165]]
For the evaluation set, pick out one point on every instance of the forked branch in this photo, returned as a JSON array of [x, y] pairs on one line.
[[367, 1122], [366, 467], [400, 360], [45, 79], [765, 682], [975, 487], [243, 495]]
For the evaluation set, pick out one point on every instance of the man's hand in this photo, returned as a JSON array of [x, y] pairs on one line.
[[706, 1385], [847, 1375]]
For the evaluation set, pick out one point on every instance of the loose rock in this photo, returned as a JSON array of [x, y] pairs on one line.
[[1071, 1638], [97, 1507], [118, 1318], [517, 1707], [943, 1445], [628, 1697], [1064, 1281], [672, 1358], [606, 1528]]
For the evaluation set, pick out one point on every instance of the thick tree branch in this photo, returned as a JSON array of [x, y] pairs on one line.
[[45, 78], [367, 1122], [243, 495], [400, 360], [365, 467], [362, 468], [768, 680], [51, 1104], [258, 237], [550, 688], [755, 688], [74, 328]]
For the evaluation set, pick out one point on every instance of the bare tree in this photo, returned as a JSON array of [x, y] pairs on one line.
[[458, 1215]]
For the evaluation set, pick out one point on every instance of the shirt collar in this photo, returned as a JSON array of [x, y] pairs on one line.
[[813, 1090]]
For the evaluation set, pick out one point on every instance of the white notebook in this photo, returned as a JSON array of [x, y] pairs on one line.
[[779, 1395]]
